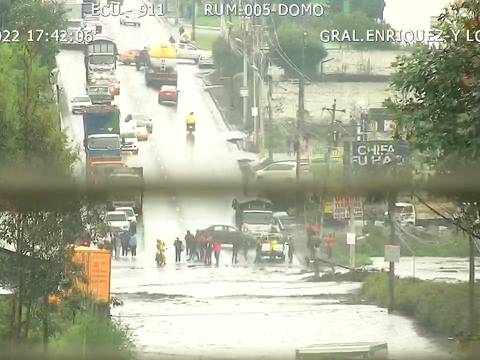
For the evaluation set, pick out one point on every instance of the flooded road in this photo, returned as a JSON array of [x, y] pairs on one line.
[[250, 311]]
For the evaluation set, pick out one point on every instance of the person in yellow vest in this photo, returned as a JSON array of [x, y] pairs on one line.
[[273, 243], [161, 248], [191, 121]]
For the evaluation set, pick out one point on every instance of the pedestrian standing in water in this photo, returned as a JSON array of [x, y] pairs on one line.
[[117, 245], [188, 244], [208, 251], [217, 247], [124, 238], [245, 246], [235, 247], [200, 247], [258, 251], [291, 250], [178, 249], [132, 244]]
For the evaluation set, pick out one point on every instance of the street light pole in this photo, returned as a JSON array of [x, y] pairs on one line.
[[245, 71], [331, 142], [300, 119]]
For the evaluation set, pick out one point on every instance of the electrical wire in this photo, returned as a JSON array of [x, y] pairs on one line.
[[450, 220], [282, 53]]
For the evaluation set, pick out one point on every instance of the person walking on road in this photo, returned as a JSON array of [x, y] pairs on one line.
[[125, 239], [235, 247], [217, 247], [132, 244], [178, 249]]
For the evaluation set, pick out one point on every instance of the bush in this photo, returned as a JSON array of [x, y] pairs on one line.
[[94, 335], [440, 307], [227, 62]]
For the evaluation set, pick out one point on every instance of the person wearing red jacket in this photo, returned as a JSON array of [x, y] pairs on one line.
[[217, 247]]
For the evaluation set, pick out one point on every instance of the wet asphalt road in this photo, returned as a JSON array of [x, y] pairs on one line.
[[230, 311]]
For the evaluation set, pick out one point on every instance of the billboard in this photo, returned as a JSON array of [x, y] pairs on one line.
[[376, 153], [341, 207]]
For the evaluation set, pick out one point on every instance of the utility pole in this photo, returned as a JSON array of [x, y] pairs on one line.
[[471, 293], [194, 18], [245, 71], [391, 274], [300, 119], [177, 10], [332, 142], [270, 114]]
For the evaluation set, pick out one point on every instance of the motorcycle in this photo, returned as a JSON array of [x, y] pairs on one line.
[[190, 128], [160, 258]]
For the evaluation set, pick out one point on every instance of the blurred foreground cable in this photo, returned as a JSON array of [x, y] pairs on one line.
[[44, 188], [162, 356]]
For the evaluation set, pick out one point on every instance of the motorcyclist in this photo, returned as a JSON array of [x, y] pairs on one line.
[[191, 121]]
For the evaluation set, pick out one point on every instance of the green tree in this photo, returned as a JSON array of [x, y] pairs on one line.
[[290, 38], [436, 105], [372, 8]]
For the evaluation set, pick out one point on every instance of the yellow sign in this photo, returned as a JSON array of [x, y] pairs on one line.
[[97, 267], [328, 207]]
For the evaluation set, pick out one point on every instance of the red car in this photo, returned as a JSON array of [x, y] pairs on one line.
[[168, 93]]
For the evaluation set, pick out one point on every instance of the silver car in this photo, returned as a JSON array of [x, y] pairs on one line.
[[79, 103]]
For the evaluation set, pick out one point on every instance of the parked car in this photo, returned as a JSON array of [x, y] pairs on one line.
[[117, 221], [168, 93], [189, 51], [129, 142], [129, 18], [227, 234], [281, 171], [131, 217], [128, 57], [79, 103], [140, 119]]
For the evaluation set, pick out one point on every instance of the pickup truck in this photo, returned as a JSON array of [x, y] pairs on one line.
[[274, 247], [189, 51]]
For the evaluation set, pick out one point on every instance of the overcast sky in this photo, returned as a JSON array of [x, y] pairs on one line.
[[412, 14]]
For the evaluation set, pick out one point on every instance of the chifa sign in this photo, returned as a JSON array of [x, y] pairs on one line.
[[379, 152]]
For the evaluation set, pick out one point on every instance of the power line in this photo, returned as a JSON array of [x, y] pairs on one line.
[[283, 55]]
